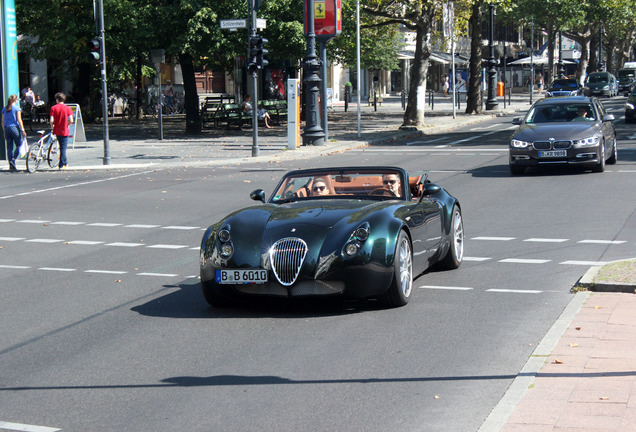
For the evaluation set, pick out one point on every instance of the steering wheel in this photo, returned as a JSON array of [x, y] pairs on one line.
[[382, 192]]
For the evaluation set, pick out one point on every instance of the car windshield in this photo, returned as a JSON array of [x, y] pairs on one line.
[[600, 78], [626, 73], [564, 84], [560, 113], [349, 184]]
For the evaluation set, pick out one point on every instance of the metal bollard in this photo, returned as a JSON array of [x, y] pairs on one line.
[[403, 97]]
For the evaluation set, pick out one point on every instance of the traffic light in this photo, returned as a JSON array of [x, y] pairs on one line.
[[94, 50], [257, 53]]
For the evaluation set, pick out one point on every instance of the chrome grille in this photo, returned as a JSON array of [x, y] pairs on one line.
[[562, 144], [541, 145], [286, 257]]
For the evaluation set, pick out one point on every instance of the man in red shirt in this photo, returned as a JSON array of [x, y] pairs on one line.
[[61, 118]]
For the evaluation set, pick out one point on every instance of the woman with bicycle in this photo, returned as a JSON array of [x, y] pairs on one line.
[[13, 129]]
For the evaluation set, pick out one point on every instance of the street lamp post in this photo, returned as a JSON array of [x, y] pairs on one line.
[[561, 67], [491, 102], [601, 65], [313, 134]]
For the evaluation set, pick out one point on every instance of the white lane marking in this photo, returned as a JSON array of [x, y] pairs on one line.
[[493, 238], [602, 241], [33, 221], [141, 226], [123, 244], [427, 141], [7, 220], [546, 240], [79, 184], [43, 241], [584, 263], [106, 271], [67, 223], [524, 261], [20, 267], [626, 171], [85, 242], [478, 259], [514, 291], [177, 227], [451, 288], [481, 128], [26, 427], [195, 248], [437, 149], [60, 269], [166, 246], [158, 274], [104, 224], [476, 137], [11, 238]]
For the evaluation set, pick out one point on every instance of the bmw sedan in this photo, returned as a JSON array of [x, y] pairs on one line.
[[569, 131]]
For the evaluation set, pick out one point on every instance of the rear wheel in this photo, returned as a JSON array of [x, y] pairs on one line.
[[455, 255], [33, 158], [53, 155], [399, 293]]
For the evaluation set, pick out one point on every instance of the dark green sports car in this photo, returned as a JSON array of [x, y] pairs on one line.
[[350, 232]]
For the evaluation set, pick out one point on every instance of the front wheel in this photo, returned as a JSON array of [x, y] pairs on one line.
[[455, 255], [399, 292], [517, 170], [614, 157], [33, 158], [53, 155], [215, 295], [600, 166]]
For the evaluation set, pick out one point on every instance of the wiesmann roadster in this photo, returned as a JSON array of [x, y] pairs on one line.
[[351, 232]]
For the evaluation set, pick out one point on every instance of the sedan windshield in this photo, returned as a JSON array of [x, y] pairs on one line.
[[597, 79], [560, 113], [564, 84], [351, 184]]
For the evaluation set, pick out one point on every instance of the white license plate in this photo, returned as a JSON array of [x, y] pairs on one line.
[[553, 153], [241, 276]]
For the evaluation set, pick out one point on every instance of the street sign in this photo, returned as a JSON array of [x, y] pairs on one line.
[[327, 19], [261, 23], [233, 24]]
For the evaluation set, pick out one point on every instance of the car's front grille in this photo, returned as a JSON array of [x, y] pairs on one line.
[[286, 257], [549, 145]]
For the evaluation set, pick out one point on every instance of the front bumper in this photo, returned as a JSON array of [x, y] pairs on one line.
[[574, 156]]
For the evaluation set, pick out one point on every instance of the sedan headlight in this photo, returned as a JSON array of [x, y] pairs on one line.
[[519, 144], [629, 106], [606, 87], [586, 142]]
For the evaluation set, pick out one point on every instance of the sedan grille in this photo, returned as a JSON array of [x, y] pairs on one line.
[[287, 257], [549, 145]]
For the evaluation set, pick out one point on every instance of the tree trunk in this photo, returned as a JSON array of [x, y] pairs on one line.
[[414, 116], [190, 95], [549, 76], [473, 99]]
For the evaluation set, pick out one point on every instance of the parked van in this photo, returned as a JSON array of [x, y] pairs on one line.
[[627, 78]]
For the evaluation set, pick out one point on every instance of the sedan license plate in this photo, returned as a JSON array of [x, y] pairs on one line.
[[241, 276], [553, 153]]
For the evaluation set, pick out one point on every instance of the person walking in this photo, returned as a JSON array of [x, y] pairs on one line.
[[61, 118], [13, 129], [446, 85]]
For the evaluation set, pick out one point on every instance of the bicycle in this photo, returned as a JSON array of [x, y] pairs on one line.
[[46, 145]]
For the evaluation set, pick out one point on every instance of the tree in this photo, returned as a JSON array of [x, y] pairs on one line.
[[417, 16]]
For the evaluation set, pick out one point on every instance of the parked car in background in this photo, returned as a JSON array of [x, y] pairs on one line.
[[630, 107], [601, 84], [564, 87], [570, 131], [626, 80]]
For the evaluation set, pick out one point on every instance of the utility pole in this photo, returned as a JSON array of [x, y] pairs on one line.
[[102, 44], [313, 134], [491, 102]]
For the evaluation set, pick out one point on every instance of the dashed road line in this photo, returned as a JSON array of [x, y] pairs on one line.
[[70, 223], [478, 259], [26, 427], [498, 290], [85, 242], [158, 274], [58, 269], [11, 239], [18, 267], [141, 226], [36, 240], [106, 271], [166, 246], [494, 238], [602, 241], [450, 288], [546, 240], [124, 244], [524, 261], [104, 224], [584, 263]]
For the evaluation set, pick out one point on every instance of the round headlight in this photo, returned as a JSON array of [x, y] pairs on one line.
[[351, 249], [224, 235], [362, 234], [227, 249]]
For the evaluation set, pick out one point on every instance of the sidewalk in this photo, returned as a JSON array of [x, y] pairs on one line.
[[582, 377], [136, 144]]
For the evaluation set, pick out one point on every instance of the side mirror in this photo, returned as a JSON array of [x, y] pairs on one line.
[[258, 195], [430, 189], [609, 117], [516, 121]]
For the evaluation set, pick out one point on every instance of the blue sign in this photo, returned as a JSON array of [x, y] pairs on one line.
[[10, 49]]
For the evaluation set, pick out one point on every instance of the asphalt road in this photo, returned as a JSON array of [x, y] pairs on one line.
[[104, 327]]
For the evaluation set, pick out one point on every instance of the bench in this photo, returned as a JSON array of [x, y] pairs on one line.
[[371, 100]]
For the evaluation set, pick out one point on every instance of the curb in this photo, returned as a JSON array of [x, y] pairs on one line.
[[589, 281]]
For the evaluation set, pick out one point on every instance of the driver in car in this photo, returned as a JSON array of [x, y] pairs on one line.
[[319, 187], [392, 183]]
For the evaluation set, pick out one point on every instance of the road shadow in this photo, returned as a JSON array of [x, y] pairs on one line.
[[503, 171], [187, 302]]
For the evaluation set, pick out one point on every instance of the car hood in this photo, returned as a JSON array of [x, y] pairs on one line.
[[558, 131]]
